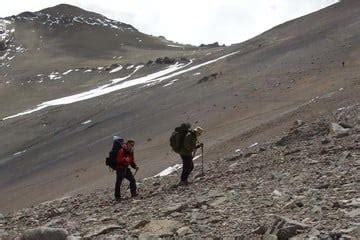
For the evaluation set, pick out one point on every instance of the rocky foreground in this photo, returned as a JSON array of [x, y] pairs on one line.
[[304, 185]]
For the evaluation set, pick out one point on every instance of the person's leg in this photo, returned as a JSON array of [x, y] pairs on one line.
[[120, 173], [191, 165], [129, 176], [187, 168]]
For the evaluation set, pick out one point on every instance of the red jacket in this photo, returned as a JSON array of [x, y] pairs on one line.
[[125, 158]]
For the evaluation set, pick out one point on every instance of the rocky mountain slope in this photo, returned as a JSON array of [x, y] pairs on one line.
[[301, 185], [61, 103]]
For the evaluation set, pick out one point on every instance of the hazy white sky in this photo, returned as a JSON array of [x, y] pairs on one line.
[[188, 21]]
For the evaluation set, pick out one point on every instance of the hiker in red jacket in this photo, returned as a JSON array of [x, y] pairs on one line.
[[125, 157]]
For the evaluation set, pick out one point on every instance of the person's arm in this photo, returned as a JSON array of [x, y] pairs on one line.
[[132, 162], [190, 142]]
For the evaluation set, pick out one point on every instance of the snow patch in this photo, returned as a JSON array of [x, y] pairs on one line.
[[54, 76], [172, 169], [169, 170], [116, 69], [67, 72], [86, 122], [160, 79], [170, 83], [253, 145], [117, 80], [170, 72], [176, 46], [130, 67], [21, 152]]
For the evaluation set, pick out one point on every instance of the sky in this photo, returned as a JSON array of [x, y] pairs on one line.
[[188, 21]]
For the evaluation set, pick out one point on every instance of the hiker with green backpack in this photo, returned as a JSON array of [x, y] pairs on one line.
[[184, 141]]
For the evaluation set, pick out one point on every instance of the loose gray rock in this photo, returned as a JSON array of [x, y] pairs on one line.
[[162, 228], [45, 233], [140, 224], [174, 208], [339, 131], [102, 230], [147, 236], [354, 213], [285, 228], [184, 231], [270, 237]]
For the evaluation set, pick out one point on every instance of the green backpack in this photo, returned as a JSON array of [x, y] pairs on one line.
[[178, 136]]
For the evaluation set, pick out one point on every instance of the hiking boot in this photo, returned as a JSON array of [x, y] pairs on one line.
[[134, 195]]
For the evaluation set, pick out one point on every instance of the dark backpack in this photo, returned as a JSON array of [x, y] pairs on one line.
[[178, 136], [111, 159]]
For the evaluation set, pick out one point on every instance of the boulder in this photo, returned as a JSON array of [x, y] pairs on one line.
[[339, 131], [162, 228], [101, 230], [218, 201], [4, 235], [184, 231], [45, 233], [140, 224], [354, 213], [284, 228], [168, 60], [211, 45], [147, 236], [174, 208]]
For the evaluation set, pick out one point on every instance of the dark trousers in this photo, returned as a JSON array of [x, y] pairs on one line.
[[120, 175], [188, 166]]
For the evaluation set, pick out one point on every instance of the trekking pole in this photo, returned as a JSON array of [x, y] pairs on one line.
[[202, 159], [194, 153], [136, 172]]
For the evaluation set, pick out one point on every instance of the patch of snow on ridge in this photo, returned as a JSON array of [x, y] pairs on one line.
[[160, 79], [21, 152], [170, 83], [117, 80], [54, 76], [169, 170], [171, 45], [253, 145], [170, 72], [67, 72], [102, 90], [86, 122], [116, 69], [130, 67]]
